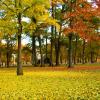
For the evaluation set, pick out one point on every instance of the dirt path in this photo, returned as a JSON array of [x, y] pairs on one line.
[[77, 68], [86, 68]]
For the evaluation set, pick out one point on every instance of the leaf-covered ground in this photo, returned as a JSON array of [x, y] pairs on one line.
[[50, 85]]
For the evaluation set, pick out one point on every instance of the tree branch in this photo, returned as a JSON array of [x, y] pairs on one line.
[[28, 8], [7, 6]]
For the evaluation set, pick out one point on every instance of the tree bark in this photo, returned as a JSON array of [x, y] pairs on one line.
[[34, 59], [83, 52], [57, 47], [0, 53], [70, 51], [46, 48], [7, 55], [76, 42], [57, 53], [41, 62], [19, 61], [70, 57], [52, 29], [92, 57]]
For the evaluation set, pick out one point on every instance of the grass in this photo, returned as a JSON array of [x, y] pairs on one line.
[[49, 85]]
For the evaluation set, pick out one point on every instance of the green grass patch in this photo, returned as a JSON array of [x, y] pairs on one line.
[[49, 85]]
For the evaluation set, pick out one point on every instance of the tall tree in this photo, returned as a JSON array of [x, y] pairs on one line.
[[15, 11], [78, 17]]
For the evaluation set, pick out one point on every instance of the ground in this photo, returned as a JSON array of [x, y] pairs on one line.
[[56, 83]]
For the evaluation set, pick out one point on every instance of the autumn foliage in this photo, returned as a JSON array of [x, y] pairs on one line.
[[80, 17]]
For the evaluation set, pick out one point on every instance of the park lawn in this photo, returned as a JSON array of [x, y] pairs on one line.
[[49, 85]]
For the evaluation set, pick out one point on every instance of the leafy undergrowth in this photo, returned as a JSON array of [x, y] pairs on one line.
[[50, 85]]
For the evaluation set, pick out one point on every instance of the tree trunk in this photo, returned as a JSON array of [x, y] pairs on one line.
[[34, 59], [51, 50], [40, 51], [46, 53], [76, 42], [70, 51], [0, 53], [52, 30], [57, 52], [19, 61], [57, 46], [47, 57], [83, 52], [56, 40], [91, 53], [7, 55], [70, 57], [92, 57], [8, 60]]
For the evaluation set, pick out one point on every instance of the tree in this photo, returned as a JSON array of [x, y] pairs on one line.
[[39, 21], [54, 32], [15, 11], [78, 16]]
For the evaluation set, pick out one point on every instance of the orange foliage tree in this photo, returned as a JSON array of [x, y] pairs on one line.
[[78, 17]]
